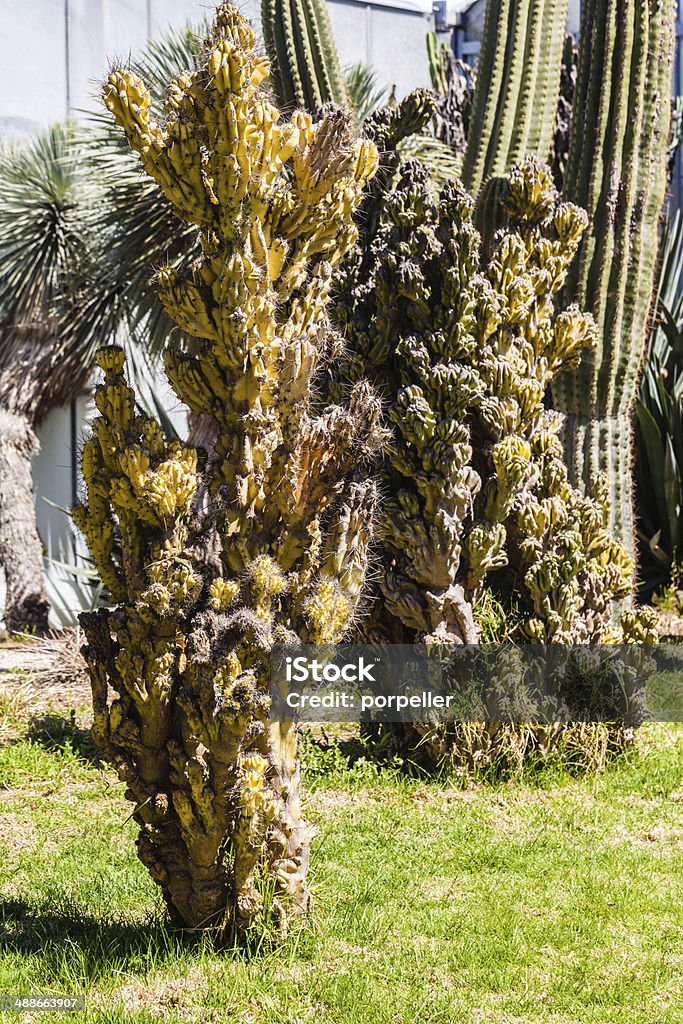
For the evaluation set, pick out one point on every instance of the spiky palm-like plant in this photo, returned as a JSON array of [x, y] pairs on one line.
[[80, 232], [46, 255], [659, 423]]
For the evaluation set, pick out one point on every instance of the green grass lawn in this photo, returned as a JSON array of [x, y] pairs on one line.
[[553, 900]]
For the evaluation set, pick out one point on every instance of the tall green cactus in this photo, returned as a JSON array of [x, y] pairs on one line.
[[617, 172], [518, 78], [306, 71]]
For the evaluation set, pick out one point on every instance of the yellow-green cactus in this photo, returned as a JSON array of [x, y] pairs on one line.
[[212, 558]]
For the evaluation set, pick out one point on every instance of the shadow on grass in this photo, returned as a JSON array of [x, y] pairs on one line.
[[75, 941], [62, 732], [103, 943]]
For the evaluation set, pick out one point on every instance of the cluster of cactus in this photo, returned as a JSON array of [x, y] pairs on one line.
[[612, 163], [617, 171], [609, 155], [453, 84], [306, 72], [465, 346], [211, 559], [463, 342]]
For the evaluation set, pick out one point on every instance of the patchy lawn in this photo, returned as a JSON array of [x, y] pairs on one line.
[[547, 901]]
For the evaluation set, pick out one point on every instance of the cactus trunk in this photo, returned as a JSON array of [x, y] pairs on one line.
[[518, 78], [617, 171], [306, 72], [21, 550]]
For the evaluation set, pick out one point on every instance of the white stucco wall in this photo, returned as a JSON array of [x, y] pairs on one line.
[[54, 53], [390, 40]]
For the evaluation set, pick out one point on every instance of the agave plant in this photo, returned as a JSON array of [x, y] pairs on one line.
[[659, 423]]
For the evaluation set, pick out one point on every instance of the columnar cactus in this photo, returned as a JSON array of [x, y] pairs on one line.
[[617, 172], [518, 78], [210, 559], [464, 348], [306, 72]]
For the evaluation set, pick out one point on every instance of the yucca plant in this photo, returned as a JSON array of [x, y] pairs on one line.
[[47, 259], [80, 232], [659, 423], [365, 94]]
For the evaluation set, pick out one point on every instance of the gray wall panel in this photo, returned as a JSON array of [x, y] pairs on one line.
[[88, 41], [350, 26], [126, 26], [41, 37], [398, 48], [33, 60]]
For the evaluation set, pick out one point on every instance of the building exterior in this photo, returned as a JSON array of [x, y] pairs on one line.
[[461, 22], [54, 53], [53, 57]]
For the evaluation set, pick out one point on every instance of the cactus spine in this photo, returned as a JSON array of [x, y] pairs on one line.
[[518, 77], [306, 72], [617, 171], [179, 667]]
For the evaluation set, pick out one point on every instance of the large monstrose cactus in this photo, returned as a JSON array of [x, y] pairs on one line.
[[211, 559]]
